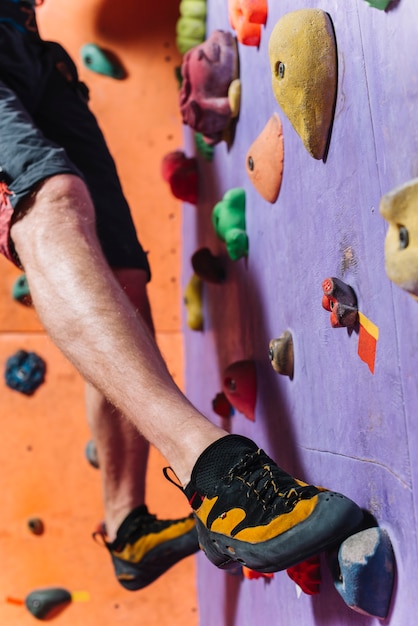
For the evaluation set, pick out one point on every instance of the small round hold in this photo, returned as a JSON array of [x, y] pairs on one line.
[[281, 354], [36, 526], [91, 454]]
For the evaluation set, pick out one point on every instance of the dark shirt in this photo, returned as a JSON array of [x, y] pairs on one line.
[[20, 14]]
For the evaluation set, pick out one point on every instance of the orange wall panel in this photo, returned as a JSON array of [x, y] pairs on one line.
[[43, 467]]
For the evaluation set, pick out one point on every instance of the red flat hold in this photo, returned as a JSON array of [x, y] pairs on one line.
[[307, 575], [181, 173], [240, 387]]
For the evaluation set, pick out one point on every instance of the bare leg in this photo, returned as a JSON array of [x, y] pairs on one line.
[[92, 321], [123, 456], [122, 451]]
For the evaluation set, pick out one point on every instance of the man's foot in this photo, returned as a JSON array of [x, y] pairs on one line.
[[250, 512], [146, 547]]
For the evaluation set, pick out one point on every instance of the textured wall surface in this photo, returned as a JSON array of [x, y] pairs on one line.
[[335, 423]]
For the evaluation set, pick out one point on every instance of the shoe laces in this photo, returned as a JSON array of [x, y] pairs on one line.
[[144, 524], [271, 485]]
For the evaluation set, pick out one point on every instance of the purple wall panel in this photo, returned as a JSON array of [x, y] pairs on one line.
[[335, 423]]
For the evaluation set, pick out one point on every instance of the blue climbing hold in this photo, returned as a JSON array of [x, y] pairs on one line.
[[25, 372], [365, 572]]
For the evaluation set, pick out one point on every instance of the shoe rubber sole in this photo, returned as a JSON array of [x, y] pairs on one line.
[[134, 576], [334, 518]]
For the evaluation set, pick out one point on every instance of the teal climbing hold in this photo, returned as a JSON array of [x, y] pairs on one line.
[[20, 291], [101, 61], [228, 219]]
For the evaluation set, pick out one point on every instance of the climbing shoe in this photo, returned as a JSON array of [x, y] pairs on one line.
[[250, 512], [146, 547]]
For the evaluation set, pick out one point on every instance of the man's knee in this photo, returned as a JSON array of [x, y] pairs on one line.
[[61, 192], [61, 202]]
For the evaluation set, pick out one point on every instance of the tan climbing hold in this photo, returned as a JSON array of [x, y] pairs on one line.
[[399, 208], [303, 59]]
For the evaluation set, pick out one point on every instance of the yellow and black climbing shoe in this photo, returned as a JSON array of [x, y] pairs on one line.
[[250, 512], [146, 547]]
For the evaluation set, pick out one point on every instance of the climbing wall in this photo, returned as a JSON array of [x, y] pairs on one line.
[[335, 423], [44, 472]]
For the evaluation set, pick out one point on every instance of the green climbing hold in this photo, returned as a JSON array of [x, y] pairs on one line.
[[193, 8], [101, 61], [228, 219], [379, 4], [191, 25], [203, 148]]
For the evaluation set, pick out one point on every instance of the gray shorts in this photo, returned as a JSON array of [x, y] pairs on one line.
[[46, 128]]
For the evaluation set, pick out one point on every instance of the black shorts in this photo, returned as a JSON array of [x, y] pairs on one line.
[[46, 128]]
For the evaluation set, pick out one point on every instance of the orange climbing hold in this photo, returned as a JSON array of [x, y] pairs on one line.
[[264, 160], [253, 575], [367, 341], [246, 18]]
